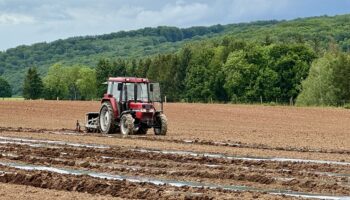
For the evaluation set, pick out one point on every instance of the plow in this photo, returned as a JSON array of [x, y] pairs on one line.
[[129, 106]]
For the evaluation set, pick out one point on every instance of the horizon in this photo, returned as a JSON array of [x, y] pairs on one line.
[[40, 21]]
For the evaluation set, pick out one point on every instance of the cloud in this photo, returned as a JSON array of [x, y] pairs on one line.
[[29, 21], [129, 16], [15, 19]]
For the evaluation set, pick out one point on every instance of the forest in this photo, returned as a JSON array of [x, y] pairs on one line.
[[302, 61]]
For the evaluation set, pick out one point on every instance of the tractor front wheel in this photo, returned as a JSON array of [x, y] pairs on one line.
[[127, 124], [142, 131], [162, 125], [106, 118]]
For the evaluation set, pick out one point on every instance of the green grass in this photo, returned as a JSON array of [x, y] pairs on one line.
[[12, 99], [347, 106]]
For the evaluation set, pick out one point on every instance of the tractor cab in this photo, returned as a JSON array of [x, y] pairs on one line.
[[129, 106], [133, 93]]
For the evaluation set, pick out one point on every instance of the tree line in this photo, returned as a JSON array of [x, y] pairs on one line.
[[62, 82], [328, 82], [225, 70], [315, 32]]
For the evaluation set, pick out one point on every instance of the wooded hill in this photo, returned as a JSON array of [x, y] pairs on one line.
[[315, 32]]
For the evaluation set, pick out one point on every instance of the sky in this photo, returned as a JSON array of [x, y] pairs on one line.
[[32, 21]]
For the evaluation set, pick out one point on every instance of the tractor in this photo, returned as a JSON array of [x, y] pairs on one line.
[[130, 106]]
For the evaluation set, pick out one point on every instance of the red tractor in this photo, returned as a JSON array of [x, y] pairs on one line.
[[129, 106]]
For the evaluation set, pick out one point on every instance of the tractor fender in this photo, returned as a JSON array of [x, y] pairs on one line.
[[114, 105]]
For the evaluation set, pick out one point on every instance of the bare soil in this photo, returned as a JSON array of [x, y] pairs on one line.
[[231, 130], [279, 126], [19, 192], [222, 171]]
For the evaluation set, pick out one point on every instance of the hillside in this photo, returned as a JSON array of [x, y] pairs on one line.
[[317, 32]]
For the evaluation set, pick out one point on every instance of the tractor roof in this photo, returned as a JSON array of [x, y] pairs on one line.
[[128, 80]]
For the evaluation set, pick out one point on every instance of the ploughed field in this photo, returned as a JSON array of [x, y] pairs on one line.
[[211, 151]]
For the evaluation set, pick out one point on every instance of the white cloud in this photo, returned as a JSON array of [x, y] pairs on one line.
[[15, 19], [127, 16], [29, 21]]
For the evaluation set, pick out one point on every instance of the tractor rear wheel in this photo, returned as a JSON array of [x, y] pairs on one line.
[[106, 118], [162, 125], [127, 124]]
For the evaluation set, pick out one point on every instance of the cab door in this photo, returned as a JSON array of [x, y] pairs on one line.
[[115, 90]]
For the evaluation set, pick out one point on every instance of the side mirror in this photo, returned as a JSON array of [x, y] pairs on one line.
[[120, 86], [151, 87]]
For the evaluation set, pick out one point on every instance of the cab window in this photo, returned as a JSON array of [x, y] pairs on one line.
[[115, 91]]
